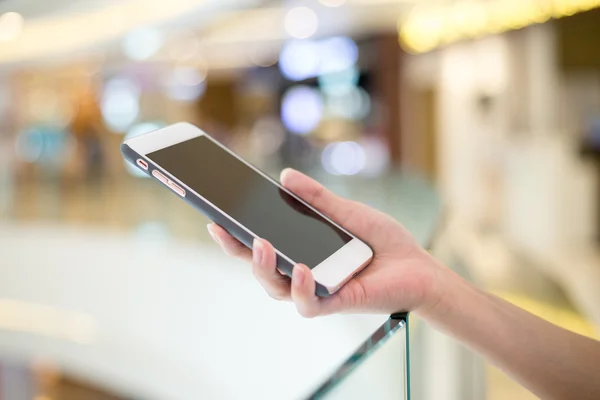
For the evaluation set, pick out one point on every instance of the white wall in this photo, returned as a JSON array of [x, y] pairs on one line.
[[470, 141], [519, 159]]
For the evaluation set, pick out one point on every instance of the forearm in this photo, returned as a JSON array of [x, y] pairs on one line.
[[550, 361]]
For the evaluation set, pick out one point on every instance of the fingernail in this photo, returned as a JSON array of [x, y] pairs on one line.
[[257, 251], [212, 234], [298, 276], [285, 173]]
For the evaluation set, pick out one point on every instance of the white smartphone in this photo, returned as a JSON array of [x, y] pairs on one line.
[[248, 203]]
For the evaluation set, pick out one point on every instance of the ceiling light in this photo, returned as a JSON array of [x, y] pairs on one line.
[[11, 26], [332, 3], [431, 25], [301, 22], [143, 43]]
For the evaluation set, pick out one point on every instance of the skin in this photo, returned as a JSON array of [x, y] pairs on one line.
[[551, 362]]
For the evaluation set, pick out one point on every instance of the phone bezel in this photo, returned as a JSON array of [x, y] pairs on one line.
[[332, 273]]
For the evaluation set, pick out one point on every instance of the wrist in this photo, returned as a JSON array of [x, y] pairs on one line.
[[439, 298]]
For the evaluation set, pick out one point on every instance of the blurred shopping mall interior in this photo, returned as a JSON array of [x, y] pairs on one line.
[[474, 123]]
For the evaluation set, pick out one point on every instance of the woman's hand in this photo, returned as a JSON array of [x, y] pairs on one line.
[[401, 277], [550, 361]]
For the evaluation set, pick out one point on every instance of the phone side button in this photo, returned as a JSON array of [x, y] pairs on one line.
[[180, 191], [160, 177]]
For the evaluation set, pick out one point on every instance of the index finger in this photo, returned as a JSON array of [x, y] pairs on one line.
[[228, 243]]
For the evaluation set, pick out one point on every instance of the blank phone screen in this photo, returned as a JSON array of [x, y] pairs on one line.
[[252, 200]]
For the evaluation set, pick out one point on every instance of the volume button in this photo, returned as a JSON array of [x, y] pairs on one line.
[[160, 177], [176, 188]]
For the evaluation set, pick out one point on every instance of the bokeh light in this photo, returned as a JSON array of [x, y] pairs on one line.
[[29, 146], [422, 30], [185, 47], [120, 104], [303, 59], [41, 144], [11, 26], [267, 136], [189, 76], [377, 156], [299, 60], [262, 57], [337, 54], [430, 25], [48, 107], [142, 43], [340, 82], [470, 17], [332, 3], [354, 104], [343, 158], [301, 22], [186, 84], [301, 109]]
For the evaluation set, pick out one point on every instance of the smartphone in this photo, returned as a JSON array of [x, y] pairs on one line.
[[248, 203]]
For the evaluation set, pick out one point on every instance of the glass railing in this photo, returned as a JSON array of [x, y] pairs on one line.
[[147, 315], [378, 369]]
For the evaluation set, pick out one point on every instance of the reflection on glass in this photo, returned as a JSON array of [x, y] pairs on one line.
[[378, 369]]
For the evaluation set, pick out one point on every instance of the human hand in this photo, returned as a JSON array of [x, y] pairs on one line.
[[401, 277]]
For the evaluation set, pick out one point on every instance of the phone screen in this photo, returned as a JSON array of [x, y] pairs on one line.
[[252, 200]]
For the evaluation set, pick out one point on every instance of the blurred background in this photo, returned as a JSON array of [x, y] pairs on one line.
[[487, 109]]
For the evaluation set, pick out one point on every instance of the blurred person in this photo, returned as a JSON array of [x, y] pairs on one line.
[[551, 362]]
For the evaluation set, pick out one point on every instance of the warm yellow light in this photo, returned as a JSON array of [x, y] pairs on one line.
[[470, 17], [566, 8], [588, 5], [432, 27], [500, 16], [516, 14], [532, 11], [11, 26], [424, 29]]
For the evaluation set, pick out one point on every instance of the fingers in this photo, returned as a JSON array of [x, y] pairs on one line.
[[264, 268], [276, 284], [303, 292], [230, 245], [263, 261], [308, 304], [337, 208]]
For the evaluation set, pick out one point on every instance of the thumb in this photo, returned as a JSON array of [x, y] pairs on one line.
[[342, 211]]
